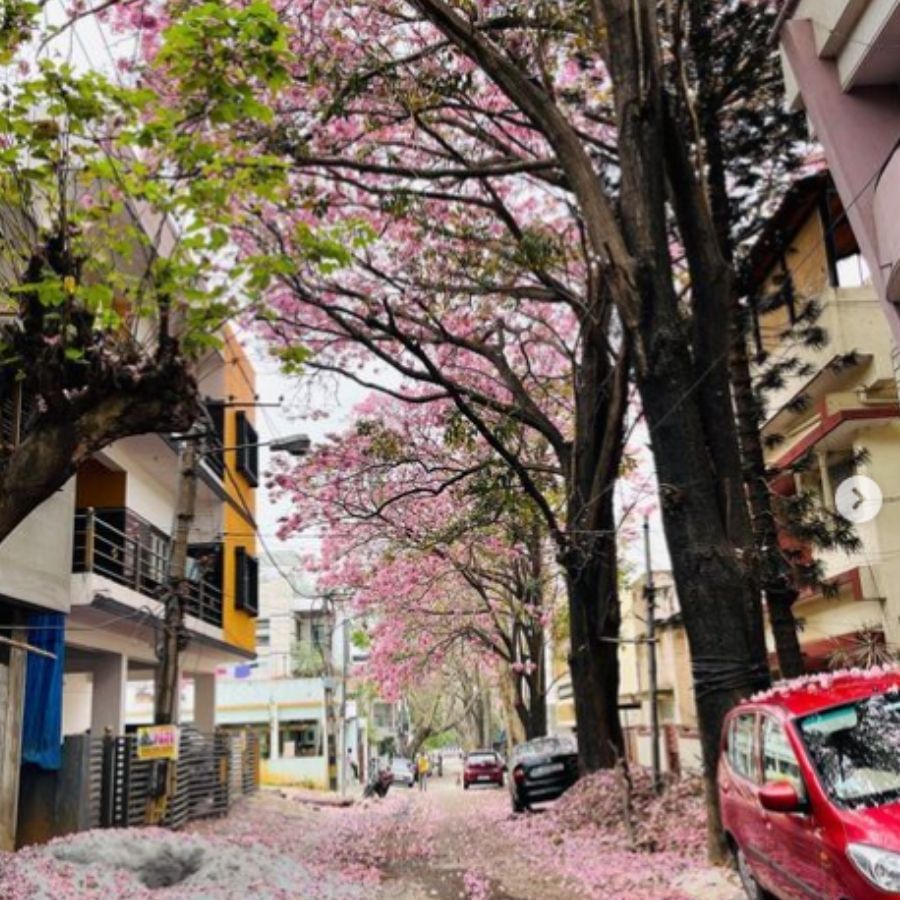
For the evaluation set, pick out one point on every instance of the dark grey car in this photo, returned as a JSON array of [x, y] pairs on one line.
[[542, 769]]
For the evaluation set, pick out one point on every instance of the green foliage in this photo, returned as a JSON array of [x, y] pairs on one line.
[[17, 19], [307, 660], [222, 55]]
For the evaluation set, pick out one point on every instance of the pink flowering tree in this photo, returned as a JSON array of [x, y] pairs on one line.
[[516, 210], [444, 556]]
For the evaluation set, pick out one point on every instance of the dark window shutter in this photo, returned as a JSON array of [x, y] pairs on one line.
[[248, 450], [246, 577], [215, 458]]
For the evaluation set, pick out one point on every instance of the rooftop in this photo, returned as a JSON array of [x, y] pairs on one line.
[[811, 693]]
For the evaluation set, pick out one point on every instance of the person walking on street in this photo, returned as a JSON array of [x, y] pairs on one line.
[[423, 769]]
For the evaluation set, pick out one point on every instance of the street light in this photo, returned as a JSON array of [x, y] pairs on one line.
[[295, 444]]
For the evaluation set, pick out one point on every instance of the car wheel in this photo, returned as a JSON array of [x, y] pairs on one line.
[[517, 804], [465, 785], [748, 881]]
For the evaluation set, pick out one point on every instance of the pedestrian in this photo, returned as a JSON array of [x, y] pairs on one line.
[[354, 768], [423, 769]]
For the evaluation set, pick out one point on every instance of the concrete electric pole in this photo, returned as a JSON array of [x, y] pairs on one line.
[[167, 684]]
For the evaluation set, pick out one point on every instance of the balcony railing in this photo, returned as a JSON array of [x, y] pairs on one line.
[[120, 545]]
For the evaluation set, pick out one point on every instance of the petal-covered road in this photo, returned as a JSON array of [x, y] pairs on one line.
[[445, 843]]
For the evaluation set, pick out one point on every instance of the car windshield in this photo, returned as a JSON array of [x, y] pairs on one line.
[[856, 750], [546, 747], [480, 759]]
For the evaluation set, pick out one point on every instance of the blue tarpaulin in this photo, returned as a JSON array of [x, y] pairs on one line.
[[42, 732]]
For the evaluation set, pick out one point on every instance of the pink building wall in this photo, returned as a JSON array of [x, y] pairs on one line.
[[859, 131]]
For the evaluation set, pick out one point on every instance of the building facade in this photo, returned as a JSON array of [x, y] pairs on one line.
[[95, 557], [300, 693], [838, 413], [676, 710], [842, 67]]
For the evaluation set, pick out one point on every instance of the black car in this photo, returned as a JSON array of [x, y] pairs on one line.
[[542, 769]]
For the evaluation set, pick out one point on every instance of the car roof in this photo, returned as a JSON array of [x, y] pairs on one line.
[[473, 752], [811, 693]]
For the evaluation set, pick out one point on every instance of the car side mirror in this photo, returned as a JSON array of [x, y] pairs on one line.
[[780, 797]]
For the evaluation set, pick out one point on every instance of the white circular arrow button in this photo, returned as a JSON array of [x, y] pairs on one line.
[[858, 499]]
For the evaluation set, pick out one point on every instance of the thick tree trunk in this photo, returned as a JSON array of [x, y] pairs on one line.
[[711, 581], [765, 560], [784, 630], [631, 256], [593, 651], [160, 399], [775, 572]]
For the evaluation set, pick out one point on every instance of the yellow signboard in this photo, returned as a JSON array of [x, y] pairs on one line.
[[157, 742]]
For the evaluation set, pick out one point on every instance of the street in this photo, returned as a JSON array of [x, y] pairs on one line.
[[445, 843]]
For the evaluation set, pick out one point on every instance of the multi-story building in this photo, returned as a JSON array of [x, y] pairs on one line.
[[675, 707], [298, 694], [839, 412], [842, 67], [97, 553]]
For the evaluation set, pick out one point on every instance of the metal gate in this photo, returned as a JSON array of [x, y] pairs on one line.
[[211, 773]]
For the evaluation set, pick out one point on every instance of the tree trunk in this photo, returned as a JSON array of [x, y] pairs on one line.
[[784, 630], [593, 651], [529, 705], [710, 579], [631, 256], [770, 569], [775, 572]]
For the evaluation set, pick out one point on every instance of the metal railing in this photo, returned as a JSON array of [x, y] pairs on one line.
[[122, 546]]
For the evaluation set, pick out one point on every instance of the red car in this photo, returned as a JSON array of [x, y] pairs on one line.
[[483, 767], [809, 784]]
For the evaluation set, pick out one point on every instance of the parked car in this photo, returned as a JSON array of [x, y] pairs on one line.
[[402, 770], [809, 784], [483, 767], [542, 769]]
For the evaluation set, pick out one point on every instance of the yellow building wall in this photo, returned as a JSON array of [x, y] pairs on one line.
[[807, 263], [239, 387], [807, 260]]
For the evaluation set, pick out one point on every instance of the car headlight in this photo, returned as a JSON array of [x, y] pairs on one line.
[[881, 867]]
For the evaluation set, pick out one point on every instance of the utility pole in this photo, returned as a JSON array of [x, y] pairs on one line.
[[650, 595], [345, 652], [167, 684]]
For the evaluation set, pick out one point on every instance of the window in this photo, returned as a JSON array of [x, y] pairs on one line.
[[319, 633], [247, 449], [300, 739], [741, 751], [854, 750], [383, 714], [852, 271], [778, 757], [246, 578], [263, 633]]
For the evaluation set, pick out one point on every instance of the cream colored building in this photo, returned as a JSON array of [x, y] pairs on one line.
[[676, 710], [836, 410]]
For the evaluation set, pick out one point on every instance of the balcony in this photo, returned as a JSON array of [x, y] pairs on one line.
[[118, 544]]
